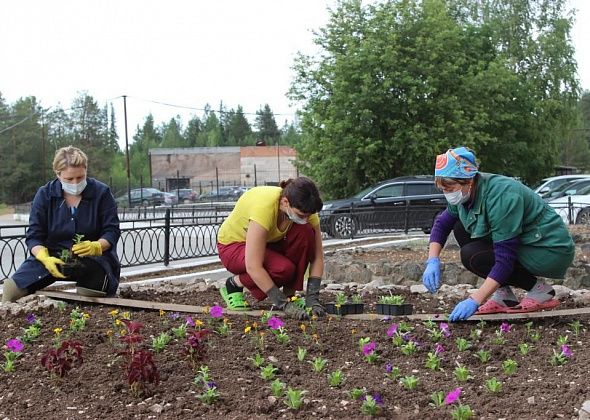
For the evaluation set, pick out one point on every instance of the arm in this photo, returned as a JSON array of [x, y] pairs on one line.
[[255, 251], [316, 268]]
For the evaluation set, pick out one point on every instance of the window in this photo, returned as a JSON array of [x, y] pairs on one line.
[[390, 191], [421, 189]]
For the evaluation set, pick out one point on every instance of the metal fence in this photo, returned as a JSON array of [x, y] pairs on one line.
[[161, 235]]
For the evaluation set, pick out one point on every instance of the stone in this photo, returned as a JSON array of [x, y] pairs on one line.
[[584, 413], [418, 289], [531, 400], [561, 291], [375, 284], [156, 408]]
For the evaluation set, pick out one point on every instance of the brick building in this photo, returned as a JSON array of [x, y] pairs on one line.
[[201, 168]]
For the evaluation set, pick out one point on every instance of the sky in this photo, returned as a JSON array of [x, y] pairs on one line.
[[187, 53]]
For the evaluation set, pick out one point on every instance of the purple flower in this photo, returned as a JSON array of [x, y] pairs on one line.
[[388, 367], [216, 311], [505, 327], [565, 350], [174, 316], [392, 330], [211, 385], [444, 327], [31, 318], [15, 345], [439, 348], [368, 349], [452, 396], [378, 399], [275, 323], [189, 321]]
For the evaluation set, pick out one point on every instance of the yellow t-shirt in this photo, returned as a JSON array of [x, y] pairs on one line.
[[260, 204]]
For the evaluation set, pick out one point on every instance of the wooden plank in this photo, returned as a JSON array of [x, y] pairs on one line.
[[174, 307]]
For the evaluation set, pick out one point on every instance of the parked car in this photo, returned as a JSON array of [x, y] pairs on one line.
[[170, 199], [567, 188], [548, 184], [185, 195], [401, 203], [227, 193], [580, 206], [143, 197]]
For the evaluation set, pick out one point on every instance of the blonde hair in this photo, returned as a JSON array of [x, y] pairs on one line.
[[67, 157]]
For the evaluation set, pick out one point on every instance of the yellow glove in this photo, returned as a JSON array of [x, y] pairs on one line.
[[50, 263], [87, 249]]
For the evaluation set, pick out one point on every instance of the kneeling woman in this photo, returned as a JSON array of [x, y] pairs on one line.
[[70, 205], [268, 241]]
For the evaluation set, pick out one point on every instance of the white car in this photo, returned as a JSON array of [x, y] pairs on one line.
[[580, 207], [549, 184]]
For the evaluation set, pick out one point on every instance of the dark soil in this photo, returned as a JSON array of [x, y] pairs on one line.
[[99, 389]]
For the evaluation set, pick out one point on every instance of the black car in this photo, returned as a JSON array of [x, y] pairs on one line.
[[227, 193], [185, 195], [410, 202], [142, 197]]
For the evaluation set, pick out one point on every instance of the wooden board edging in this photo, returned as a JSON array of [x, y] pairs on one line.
[[174, 307]]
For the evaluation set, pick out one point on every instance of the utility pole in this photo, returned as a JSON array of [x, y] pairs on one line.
[[127, 152]]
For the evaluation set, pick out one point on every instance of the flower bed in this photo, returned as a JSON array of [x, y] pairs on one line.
[[137, 364]]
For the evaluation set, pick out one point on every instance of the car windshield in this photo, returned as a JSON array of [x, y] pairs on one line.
[[573, 186], [583, 191]]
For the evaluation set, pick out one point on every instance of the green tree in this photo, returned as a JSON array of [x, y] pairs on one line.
[[172, 134], [239, 132], [211, 135], [290, 135], [145, 138], [193, 129], [397, 83], [266, 125]]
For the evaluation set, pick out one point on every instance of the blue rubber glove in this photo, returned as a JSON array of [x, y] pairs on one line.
[[431, 276], [464, 310]]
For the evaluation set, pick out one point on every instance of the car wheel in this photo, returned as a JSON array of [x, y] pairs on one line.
[[344, 226], [583, 217]]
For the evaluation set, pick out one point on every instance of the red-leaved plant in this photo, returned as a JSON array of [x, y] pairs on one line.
[[59, 361], [195, 346], [139, 368]]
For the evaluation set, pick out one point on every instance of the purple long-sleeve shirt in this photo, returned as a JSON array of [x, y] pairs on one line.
[[505, 252]]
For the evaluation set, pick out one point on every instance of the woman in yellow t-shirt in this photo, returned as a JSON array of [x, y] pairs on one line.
[[268, 241]]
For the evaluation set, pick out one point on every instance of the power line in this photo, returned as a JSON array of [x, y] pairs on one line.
[[199, 109]]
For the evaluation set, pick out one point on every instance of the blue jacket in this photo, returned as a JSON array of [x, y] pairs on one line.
[[52, 224]]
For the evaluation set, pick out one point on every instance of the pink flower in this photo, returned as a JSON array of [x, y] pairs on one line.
[[216, 311], [439, 348], [452, 396], [565, 350], [189, 321], [392, 330], [15, 345], [444, 327], [275, 323], [368, 349], [505, 327]]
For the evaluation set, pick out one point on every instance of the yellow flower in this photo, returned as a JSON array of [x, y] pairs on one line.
[[255, 325], [315, 337], [294, 298], [109, 333], [353, 331], [199, 323], [126, 315], [117, 322], [85, 315], [122, 333], [302, 327], [314, 317], [247, 329], [57, 331], [114, 312], [162, 312]]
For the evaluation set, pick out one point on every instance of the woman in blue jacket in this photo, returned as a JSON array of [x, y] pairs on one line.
[[70, 205]]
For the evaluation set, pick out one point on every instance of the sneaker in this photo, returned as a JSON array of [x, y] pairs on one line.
[[235, 300]]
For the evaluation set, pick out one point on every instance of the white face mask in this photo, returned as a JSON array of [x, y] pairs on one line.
[[457, 197], [74, 189], [296, 219]]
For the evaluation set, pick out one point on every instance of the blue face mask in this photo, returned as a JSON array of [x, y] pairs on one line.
[[73, 189]]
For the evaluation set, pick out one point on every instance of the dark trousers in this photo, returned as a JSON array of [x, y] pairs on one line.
[[477, 255]]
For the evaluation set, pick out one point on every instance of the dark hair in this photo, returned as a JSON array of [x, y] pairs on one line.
[[441, 182], [302, 194]]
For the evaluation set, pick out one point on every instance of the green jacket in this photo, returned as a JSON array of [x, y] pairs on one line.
[[506, 209]]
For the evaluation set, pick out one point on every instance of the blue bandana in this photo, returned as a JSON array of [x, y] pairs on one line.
[[456, 163]]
